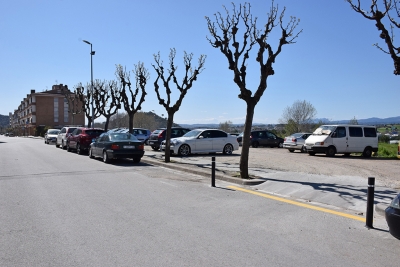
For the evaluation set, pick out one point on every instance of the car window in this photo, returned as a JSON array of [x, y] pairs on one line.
[[122, 136], [94, 132], [192, 133], [206, 134], [355, 132], [63, 130], [70, 130], [369, 132], [104, 138], [54, 132], [340, 132], [219, 134], [271, 135]]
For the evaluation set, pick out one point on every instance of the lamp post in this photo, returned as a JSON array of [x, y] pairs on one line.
[[91, 75]]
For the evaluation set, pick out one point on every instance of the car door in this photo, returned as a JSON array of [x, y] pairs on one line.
[[340, 139], [204, 142], [219, 140], [101, 143], [73, 137], [271, 139], [60, 136]]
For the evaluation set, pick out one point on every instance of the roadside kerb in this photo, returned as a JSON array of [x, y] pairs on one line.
[[199, 171]]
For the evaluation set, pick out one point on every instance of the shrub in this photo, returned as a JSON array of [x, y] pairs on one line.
[[383, 138]]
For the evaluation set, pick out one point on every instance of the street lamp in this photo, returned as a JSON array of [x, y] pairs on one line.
[[91, 71]]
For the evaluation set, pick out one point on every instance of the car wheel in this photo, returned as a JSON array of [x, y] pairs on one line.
[[154, 147], [91, 154], [311, 153], [254, 144], [331, 151], [78, 149], [303, 149], [228, 149], [136, 160], [280, 145], [146, 142], [62, 145], [106, 159], [184, 150], [68, 148], [291, 150], [367, 152], [57, 145], [45, 141]]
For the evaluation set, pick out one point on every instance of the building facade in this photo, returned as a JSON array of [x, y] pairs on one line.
[[48, 109]]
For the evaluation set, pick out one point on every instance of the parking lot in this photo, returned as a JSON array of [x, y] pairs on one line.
[[386, 171]]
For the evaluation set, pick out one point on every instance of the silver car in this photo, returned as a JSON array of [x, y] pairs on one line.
[[296, 142], [50, 136]]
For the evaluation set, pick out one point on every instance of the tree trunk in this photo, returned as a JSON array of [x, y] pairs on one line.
[[130, 122], [107, 122], [244, 157], [170, 122]]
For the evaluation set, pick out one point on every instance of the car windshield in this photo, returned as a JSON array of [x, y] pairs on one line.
[[94, 132], [53, 132], [123, 136], [324, 130], [192, 133], [158, 131]]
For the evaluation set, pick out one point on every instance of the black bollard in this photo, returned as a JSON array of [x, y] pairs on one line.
[[370, 202], [212, 171]]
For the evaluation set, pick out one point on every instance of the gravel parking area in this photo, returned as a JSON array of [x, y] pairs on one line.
[[387, 171]]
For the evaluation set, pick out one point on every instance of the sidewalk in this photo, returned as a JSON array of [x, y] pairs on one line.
[[335, 192]]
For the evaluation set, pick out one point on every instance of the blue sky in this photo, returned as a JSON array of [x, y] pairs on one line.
[[333, 65]]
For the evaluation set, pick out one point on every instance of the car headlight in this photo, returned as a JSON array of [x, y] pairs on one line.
[[319, 143], [175, 142]]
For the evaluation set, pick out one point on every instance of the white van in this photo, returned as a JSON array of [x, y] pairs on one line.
[[343, 139]]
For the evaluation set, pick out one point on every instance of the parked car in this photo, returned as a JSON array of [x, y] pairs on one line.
[[51, 136], [296, 142], [239, 138], [157, 136], [62, 136], [10, 134], [392, 215], [343, 139], [117, 145], [80, 139], [203, 141], [265, 138], [140, 133]]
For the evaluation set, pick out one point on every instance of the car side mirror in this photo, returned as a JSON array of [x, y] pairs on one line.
[[201, 137]]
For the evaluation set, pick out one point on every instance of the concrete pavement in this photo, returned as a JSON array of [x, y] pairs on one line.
[[347, 193]]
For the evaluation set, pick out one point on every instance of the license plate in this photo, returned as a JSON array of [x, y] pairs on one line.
[[129, 146]]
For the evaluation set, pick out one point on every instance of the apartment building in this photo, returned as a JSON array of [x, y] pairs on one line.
[[44, 109]]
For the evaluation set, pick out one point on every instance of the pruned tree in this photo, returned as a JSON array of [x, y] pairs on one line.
[[298, 117], [129, 96], [86, 96], [227, 41], [108, 99], [390, 10], [75, 104], [168, 77]]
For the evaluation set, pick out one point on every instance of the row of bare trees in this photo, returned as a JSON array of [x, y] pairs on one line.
[[234, 34]]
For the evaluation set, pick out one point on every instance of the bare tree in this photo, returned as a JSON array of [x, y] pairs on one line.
[[85, 95], [187, 83], [237, 55], [128, 96], [225, 126], [75, 104], [108, 99], [298, 117], [391, 10]]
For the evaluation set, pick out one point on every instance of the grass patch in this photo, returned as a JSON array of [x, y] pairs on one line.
[[386, 150]]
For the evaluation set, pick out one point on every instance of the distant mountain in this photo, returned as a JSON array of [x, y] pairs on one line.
[[4, 121], [369, 121]]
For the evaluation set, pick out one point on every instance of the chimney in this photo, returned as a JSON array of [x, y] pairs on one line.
[[32, 91]]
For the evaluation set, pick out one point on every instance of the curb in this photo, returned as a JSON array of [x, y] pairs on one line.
[[219, 176]]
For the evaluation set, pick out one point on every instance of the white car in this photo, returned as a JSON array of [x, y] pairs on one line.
[[203, 141], [51, 136]]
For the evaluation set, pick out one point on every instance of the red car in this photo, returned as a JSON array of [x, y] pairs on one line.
[[81, 138]]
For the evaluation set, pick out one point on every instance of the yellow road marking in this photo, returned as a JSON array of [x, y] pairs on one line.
[[308, 206]]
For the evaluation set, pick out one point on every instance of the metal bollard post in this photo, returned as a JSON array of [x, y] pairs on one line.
[[212, 171], [370, 202]]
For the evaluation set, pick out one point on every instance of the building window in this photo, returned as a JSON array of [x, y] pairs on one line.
[[55, 109], [65, 110]]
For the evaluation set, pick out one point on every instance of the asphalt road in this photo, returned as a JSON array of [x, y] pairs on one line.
[[63, 209]]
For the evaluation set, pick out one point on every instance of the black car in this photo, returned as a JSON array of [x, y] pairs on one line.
[[265, 138], [158, 136], [392, 215], [117, 145]]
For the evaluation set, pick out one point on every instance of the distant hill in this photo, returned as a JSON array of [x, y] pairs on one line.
[[4, 121], [369, 121]]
